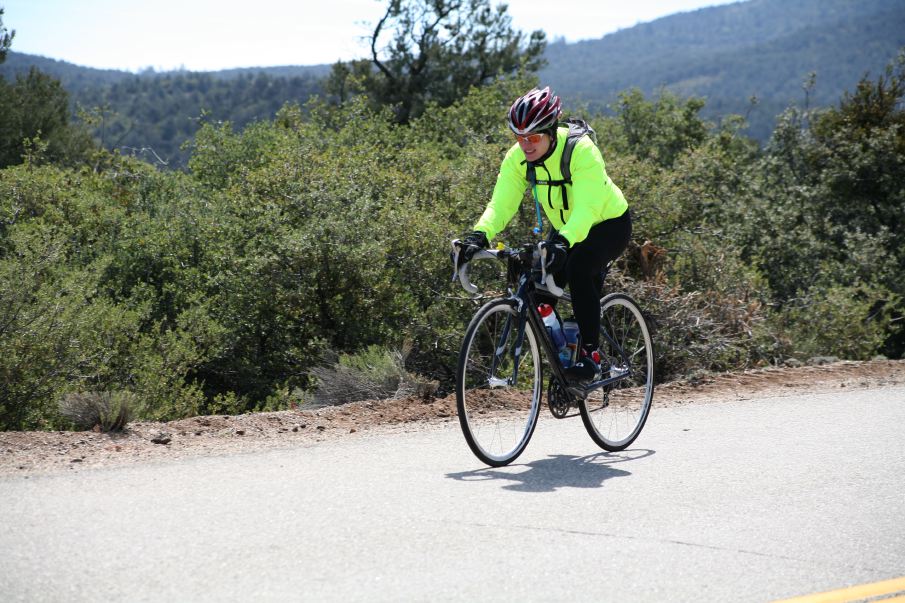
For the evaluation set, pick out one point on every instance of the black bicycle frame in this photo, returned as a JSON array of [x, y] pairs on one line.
[[526, 299]]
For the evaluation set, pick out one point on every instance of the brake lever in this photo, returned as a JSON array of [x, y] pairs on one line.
[[547, 279], [456, 246]]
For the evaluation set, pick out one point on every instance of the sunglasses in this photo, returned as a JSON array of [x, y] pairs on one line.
[[530, 138]]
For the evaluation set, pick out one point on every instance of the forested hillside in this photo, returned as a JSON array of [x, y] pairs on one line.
[[74, 78], [159, 114], [728, 54], [153, 114]]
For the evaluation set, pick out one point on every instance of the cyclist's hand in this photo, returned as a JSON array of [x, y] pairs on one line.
[[472, 244], [557, 253]]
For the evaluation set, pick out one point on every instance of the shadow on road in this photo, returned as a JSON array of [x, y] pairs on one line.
[[557, 471]]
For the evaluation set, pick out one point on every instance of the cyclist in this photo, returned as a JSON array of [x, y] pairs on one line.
[[591, 225]]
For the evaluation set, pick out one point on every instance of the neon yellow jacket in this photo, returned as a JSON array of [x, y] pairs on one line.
[[592, 197]]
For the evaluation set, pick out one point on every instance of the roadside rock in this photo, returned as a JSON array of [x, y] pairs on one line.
[[162, 437], [822, 360]]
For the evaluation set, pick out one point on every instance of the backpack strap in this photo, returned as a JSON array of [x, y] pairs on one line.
[[577, 128], [564, 167], [530, 174], [532, 182], [565, 162]]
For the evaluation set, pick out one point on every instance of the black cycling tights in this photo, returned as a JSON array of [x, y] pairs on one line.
[[585, 269]]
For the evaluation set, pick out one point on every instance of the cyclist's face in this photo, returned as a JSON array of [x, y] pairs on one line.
[[534, 145]]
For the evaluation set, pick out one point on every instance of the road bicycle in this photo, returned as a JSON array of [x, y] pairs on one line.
[[500, 376]]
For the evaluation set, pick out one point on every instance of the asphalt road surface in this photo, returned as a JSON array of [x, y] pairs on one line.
[[751, 500]]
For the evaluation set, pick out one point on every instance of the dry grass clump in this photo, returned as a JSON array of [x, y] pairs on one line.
[[105, 411], [373, 374], [700, 330]]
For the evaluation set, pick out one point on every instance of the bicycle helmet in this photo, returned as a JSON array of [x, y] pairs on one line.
[[536, 111]]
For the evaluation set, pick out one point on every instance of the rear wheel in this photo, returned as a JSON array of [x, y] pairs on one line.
[[614, 415], [498, 383]]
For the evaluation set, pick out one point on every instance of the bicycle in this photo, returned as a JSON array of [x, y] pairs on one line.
[[499, 375]]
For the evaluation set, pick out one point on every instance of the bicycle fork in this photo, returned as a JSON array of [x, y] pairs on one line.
[[500, 350]]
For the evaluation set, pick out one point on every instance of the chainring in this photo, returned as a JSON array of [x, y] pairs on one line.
[[558, 399]]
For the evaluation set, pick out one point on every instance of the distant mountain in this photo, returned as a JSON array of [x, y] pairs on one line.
[[153, 113], [726, 54], [76, 78], [729, 53], [73, 77]]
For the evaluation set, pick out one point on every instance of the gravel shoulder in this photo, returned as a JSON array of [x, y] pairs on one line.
[[37, 453]]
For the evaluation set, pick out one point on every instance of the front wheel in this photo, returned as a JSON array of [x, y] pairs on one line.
[[499, 383], [614, 415]]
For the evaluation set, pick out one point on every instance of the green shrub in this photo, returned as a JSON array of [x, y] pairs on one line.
[[56, 331], [849, 322], [327, 230]]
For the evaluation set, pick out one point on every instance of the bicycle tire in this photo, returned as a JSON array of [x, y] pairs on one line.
[[498, 415], [615, 415]]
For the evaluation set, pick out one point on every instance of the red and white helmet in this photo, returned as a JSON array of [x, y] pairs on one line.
[[537, 110]]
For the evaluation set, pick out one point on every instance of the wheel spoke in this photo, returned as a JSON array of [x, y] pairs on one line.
[[615, 415], [498, 384]]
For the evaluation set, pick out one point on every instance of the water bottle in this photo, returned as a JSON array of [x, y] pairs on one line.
[[554, 328], [570, 332]]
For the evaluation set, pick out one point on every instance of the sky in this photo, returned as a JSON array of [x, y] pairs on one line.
[[208, 35]]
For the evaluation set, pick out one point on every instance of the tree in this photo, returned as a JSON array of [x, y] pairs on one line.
[[36, 108], [662, 129], [347, 78], [426, 51], [6, 38]]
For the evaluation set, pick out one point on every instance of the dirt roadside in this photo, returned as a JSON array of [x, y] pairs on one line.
[[36, 453]]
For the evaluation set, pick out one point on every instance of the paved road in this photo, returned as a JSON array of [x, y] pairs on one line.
[[738, 501]]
